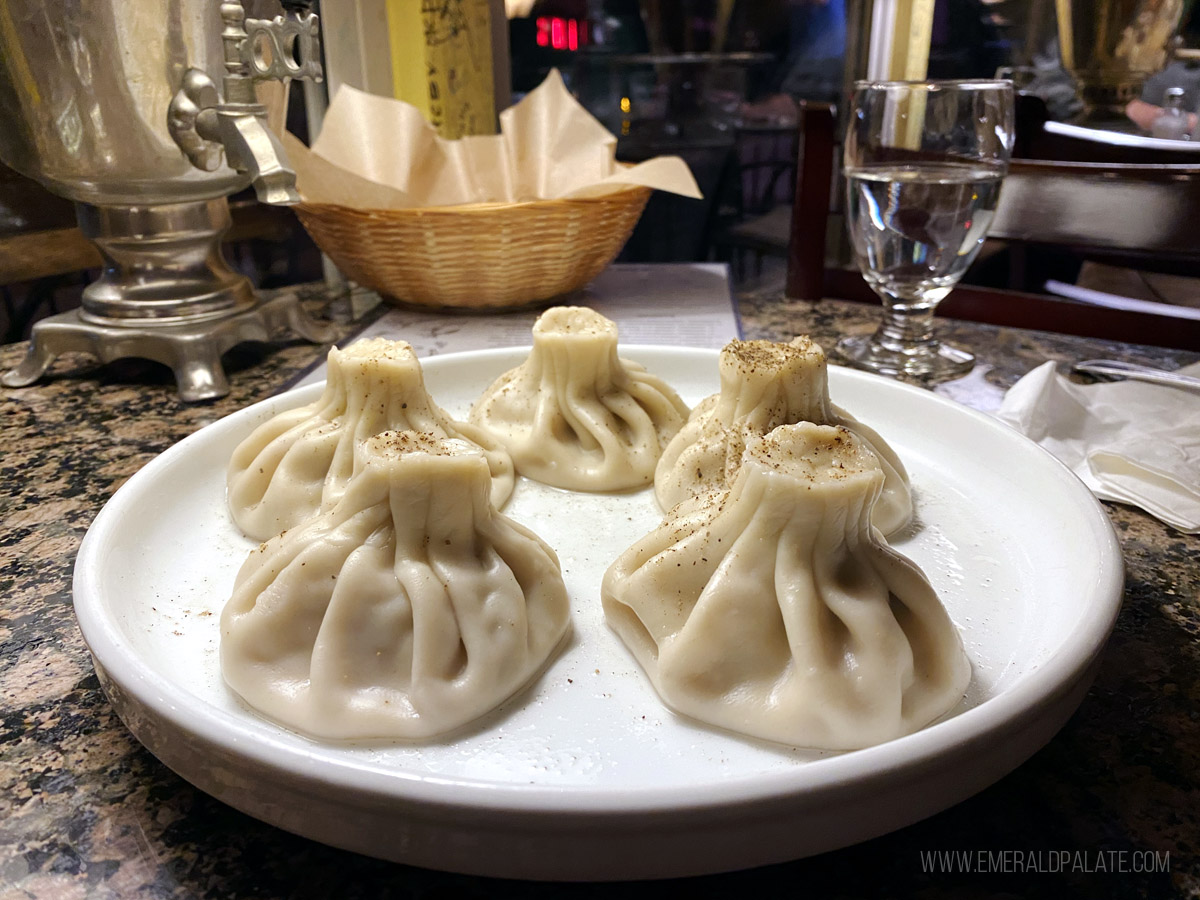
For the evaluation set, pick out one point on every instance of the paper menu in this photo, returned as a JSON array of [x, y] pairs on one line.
[[683, 304]]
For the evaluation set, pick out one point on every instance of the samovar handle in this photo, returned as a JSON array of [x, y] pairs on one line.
[[196, 94]]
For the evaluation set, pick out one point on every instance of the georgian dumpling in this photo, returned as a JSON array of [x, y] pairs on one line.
[[776, 610], [763, 385], [409, 608], [576, 416], [302, 459]]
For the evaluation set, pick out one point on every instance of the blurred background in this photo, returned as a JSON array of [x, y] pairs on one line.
[[717, 82]]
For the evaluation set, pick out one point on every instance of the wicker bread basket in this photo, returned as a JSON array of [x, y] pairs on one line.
[[480, 256]]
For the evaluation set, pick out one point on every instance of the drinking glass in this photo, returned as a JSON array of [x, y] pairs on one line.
[[923, 166]]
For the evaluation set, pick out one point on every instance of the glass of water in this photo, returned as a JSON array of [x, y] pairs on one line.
[[923, 166]]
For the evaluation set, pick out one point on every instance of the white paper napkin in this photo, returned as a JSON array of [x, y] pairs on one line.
[[1128, 441]]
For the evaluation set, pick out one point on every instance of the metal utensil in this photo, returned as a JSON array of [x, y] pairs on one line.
[[1115, 368]]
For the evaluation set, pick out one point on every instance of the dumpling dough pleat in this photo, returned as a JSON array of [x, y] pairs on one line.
[[574, 415], [776, 610], [408, 609], [764, 385], [301, 460]]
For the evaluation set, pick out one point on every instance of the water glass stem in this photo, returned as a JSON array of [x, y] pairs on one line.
[[907, 325]]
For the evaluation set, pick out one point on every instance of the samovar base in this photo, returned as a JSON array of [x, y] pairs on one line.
[[165, 293], [1104, 102], [192, 349]]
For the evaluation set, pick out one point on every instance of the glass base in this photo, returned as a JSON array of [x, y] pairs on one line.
[[931, 359]]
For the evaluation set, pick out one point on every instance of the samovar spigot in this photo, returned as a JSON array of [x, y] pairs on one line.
[[208, 124]]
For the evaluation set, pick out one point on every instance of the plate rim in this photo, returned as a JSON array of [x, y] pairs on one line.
[[450, 794]]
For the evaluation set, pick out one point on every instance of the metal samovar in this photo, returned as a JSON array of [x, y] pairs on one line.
[[146, 114], [1113, 46]]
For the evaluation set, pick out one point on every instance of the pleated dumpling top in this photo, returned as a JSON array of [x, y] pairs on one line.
[[765, 384], [576, 416], [301, 460], [406, 610], [776, 610]]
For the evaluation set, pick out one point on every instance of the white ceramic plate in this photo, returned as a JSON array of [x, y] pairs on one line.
[[585, 774], [1119, 138]]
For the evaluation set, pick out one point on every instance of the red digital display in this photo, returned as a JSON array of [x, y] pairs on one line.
[[561, 34]]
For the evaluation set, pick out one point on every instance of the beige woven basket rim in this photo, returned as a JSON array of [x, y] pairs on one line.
[[483, 208]]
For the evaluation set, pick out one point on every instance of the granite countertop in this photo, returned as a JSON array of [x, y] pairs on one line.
[[85, 811]]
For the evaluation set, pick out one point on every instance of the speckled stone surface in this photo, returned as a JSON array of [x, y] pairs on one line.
[[86, 812]]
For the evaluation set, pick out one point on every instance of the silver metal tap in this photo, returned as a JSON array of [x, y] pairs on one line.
[[205, 125], [251, 147]]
